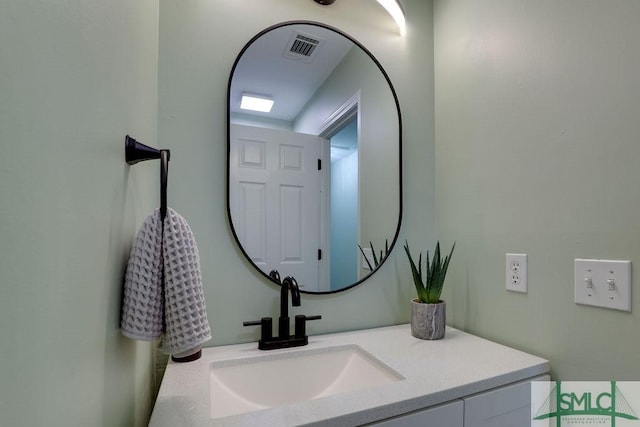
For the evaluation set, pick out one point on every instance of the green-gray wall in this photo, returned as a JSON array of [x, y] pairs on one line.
[[537, 108], [199, 41], [76, 76], [536, 98]]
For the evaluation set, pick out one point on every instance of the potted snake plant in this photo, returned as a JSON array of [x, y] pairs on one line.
[[428, 311]]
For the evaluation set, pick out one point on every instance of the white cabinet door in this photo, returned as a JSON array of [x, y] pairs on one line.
[[447, 415], [508, 406]]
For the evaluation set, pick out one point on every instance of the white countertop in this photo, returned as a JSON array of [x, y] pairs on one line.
[[435, 372]]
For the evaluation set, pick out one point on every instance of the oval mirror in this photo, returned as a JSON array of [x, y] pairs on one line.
[[314, 166]]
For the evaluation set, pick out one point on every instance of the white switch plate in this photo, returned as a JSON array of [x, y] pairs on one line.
[[516, 273], [603, 283]]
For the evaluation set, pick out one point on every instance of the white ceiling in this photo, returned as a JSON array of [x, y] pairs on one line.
[[263, 70]]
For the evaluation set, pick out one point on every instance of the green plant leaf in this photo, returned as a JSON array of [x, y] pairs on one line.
[[365, 258], [416, 272], [373, 252], [447, 259], [429, 274], [436, 271]]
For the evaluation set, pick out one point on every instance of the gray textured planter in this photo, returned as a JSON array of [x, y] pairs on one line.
[[428, 320]]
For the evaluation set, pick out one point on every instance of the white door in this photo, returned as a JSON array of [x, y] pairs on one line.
[[275, 189]]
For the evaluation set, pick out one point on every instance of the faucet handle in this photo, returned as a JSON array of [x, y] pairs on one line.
[[252, 323], [301, 324], [275, 276], [265, 327]]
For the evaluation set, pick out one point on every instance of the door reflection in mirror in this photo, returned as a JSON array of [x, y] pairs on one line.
[[344, 207], [321, 173], [274, 198]]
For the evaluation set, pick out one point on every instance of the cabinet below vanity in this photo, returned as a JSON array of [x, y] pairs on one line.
[[504, 406], [459, 381]]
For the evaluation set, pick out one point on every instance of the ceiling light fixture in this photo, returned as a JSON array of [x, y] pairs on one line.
[[397, 13], [259, 103], [392, 6]]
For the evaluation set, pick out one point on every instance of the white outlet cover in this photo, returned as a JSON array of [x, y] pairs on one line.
[[516, 273], [598, 273]]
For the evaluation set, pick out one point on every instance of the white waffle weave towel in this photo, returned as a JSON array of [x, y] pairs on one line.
[[174, 311]]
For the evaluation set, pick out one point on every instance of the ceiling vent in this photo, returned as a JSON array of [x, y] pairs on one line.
[[302, 47]]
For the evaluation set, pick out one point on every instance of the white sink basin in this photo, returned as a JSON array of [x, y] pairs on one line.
[[275, 379]]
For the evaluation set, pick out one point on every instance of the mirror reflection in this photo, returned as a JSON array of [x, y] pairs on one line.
[[314, 179]]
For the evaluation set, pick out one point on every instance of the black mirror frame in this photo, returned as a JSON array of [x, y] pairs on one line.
[[395, 98]]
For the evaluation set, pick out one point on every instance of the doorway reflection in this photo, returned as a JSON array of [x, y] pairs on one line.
[[344, 203]]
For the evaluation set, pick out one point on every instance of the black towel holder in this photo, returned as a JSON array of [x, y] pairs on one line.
[[138, 152]]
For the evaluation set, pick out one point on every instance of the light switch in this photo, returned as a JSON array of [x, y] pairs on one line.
[[603, 283], [589, 281]]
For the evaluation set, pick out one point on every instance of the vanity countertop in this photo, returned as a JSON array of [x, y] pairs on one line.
[[435, 372]]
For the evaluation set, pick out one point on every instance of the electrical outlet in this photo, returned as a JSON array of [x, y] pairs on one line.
[[516, 273]]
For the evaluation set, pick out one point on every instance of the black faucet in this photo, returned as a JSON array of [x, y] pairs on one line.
[[288, 284], [284, 340]]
